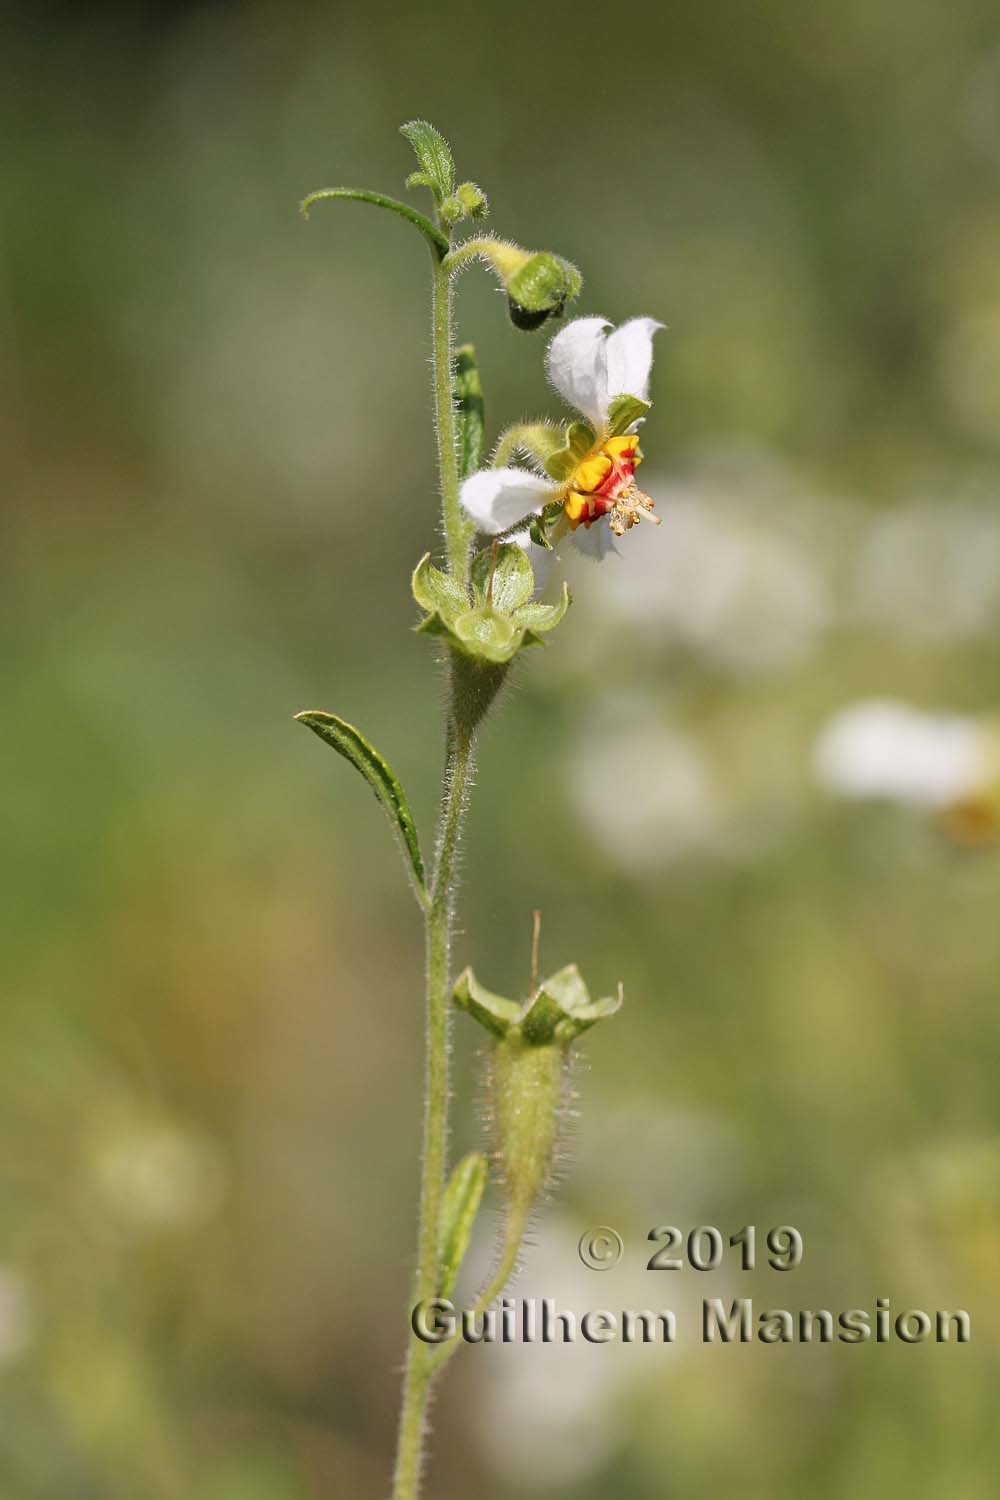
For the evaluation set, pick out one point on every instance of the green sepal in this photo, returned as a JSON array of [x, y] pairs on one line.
[[557, 1013], [502, 618], [623, 412], [469, 411], [352, 745], [504, 579], [485, 633], [459, 1208], [495, 1012], [434, 155], [563, 461], [436, 590], [544, 617]]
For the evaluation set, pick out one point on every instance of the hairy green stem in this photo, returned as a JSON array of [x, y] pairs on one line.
[[456, 531], [413, 1418], [459, 733]]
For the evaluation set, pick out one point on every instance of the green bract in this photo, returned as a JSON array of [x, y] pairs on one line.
[[501, 617], [459, 1208]]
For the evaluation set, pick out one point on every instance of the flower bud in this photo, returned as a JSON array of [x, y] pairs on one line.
[[472, 199], [540, 289]]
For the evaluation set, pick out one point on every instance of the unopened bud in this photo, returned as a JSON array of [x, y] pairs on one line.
[[540, 289]]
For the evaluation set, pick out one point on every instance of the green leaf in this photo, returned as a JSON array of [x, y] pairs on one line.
[[459, 1208], [437, 241], [623, 411], [495, 1012], [470, 411], [353, 746], [435, 590], [513, 581], [434, 155], [543, 617]]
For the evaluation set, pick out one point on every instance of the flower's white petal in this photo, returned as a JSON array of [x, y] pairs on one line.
[[496, 498], [630, 358], [883, 748], [577, 366], [597, 543], [540, 558]]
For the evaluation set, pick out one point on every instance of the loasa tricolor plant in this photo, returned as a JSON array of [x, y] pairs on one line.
[[503, 525]]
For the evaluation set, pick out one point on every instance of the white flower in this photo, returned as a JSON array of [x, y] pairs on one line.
[[883, 748], [595, 487]]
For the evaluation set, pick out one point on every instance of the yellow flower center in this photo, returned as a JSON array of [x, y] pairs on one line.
[[604, 485]]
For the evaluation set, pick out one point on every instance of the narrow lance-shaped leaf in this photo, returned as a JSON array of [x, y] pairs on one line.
[[430, 232], [459, 1208], [353, 746], [434, 155], [470, 411]]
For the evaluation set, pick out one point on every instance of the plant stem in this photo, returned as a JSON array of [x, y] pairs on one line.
[[455, 530], [459, 734], [438, 923]]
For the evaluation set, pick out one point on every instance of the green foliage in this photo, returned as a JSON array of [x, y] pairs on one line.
[[435, 158], [469, 411], [435, 239], [352, 745], [459, 1208]]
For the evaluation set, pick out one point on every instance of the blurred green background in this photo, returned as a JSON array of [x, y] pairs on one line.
[[218, 474]]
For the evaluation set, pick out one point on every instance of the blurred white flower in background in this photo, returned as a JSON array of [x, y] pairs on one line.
[[550, 1415], [945, 763], [882, 748], [17, 1321]]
